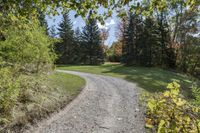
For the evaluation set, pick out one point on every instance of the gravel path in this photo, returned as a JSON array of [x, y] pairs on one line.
[[106, 105]]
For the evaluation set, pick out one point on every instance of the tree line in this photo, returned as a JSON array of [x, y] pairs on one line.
[[80, 46], [164, 38], [167, 38]]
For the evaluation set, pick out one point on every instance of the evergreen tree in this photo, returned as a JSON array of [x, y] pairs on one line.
[[91, 37], [78, 35], [78, 42], [66, 49], [129, 46], [52, 32], [149, 44], [132, 40], [167, 58]]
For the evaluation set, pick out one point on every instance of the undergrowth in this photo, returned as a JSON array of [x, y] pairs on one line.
[[169, 112], [30, 98]]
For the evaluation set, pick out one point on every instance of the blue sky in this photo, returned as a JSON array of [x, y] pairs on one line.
[[110, 24]]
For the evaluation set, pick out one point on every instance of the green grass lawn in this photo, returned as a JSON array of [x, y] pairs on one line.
[[59, 89], [150, 79], [63, 88], [70, 84], [42, 96]]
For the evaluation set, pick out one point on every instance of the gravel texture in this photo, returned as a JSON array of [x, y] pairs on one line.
[[106, 105]]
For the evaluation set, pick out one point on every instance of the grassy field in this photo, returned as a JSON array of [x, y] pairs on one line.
[[150, 79], [42, 96], [71, 85], [62, 88]]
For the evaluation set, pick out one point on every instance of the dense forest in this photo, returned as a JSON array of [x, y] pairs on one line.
[[167, 39], [156, 33]]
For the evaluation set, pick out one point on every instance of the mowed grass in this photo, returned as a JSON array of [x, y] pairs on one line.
[[150, 79], [71, 85], [57, 91]]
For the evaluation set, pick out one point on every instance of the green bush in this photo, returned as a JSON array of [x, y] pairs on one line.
[[168, 112], [25, 53], [9, 92], [27, 48], [196, 94]]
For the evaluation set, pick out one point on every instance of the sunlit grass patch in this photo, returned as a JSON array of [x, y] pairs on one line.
[[150, 79]]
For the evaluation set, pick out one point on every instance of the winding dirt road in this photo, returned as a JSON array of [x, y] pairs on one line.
[[106, 105]]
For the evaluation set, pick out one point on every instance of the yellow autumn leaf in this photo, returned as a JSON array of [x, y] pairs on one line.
[[170, 86], [180, 102], [187, 119], [151, 104], [173, 85], [195, 109], [166, 94], [175, 92]]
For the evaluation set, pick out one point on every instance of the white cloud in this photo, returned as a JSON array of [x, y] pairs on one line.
[[112, 22], [107, 24], [74, 22]]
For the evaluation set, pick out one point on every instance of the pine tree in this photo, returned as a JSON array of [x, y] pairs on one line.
[[91, 37], [167, 53], [132, 40], [149, 44], [52, 32], [66, 49], [78, 34], [129, 46], [78, 50]]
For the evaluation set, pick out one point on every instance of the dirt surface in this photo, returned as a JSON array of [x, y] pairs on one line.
[[106, 105]]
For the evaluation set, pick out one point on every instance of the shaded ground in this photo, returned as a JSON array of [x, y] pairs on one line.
[[106, 105]]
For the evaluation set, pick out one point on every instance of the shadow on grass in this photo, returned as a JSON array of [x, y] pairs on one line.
[[151, 79]]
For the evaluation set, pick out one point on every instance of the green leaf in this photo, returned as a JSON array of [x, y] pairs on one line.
[[160, 126]]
